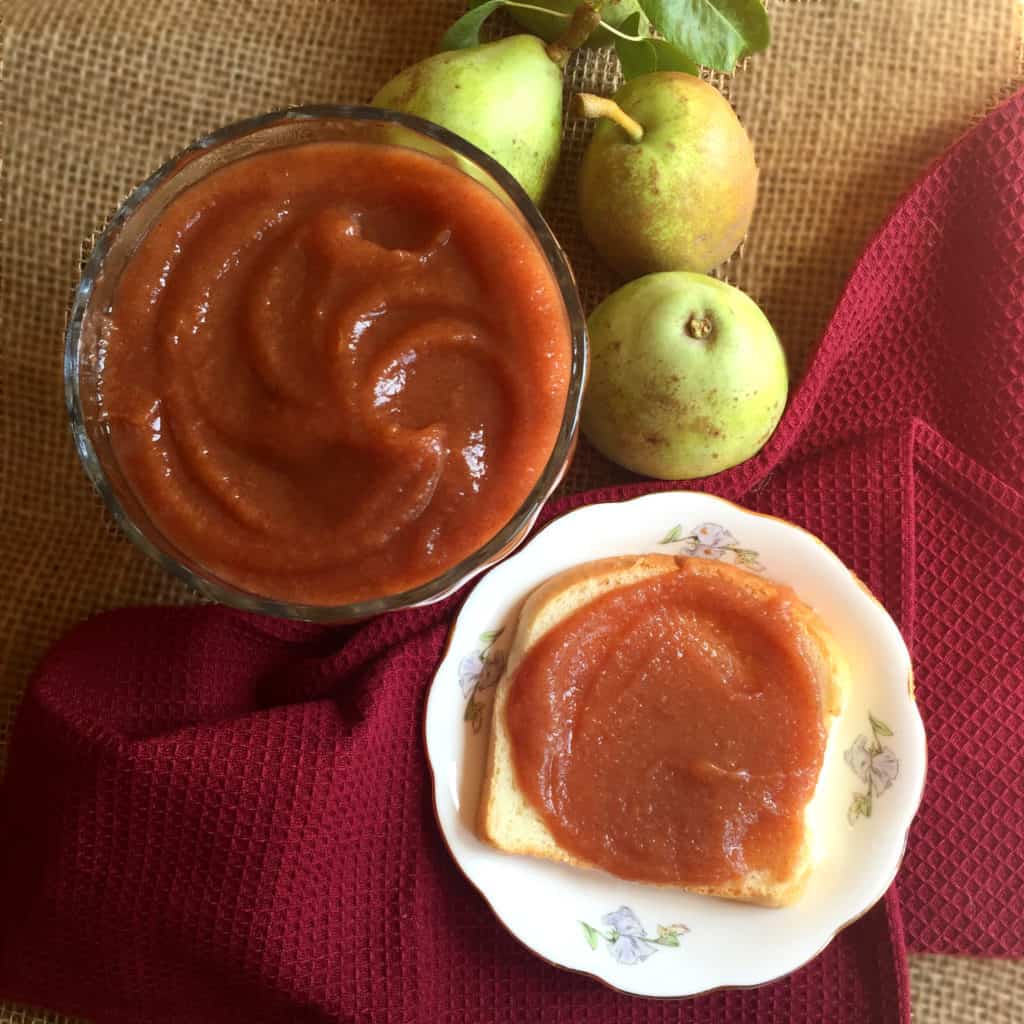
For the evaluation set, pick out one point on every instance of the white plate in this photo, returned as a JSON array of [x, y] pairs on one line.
[[654, 941]]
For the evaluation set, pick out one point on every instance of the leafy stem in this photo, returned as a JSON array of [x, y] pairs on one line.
[[489, 639], [474, 713], [466, 31], [713, 33], [566, 15], [878, 728], [622, 35], [877, 776], [668, 935]]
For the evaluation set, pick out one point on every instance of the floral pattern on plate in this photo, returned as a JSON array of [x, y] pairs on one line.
[[627, 939], [480, 672], [710, 540], [874, 764]]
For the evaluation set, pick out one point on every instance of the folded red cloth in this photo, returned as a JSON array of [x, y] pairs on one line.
[[211, 816]]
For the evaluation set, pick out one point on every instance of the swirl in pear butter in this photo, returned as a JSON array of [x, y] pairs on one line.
[[335, 370], [666, 720]]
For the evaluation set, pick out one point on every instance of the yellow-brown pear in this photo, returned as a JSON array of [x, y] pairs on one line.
[[669, 180]]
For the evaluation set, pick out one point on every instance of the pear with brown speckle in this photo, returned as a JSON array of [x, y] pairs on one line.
[[687, 377], [669, 180]]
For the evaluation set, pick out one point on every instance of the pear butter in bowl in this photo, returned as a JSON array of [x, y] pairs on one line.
[[326, 363]]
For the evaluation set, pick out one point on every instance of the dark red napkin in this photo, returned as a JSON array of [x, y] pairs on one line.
[[215, 817]]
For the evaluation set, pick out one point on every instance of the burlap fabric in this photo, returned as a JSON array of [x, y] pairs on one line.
[[846, 109]]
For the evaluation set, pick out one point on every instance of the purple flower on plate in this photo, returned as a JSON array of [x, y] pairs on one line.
[[709, 540], [627, 944], [712, 540], [480, 671], [627, 939], [875, 763], [884, 768], [470, 669], [627, 949], [624, 921], [877, 766], [858, 757]]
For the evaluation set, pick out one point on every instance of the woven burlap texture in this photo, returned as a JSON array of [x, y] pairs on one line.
[[853, 100]]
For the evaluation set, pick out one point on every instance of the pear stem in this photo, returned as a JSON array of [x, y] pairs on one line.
[[586, 104], [584, 20]]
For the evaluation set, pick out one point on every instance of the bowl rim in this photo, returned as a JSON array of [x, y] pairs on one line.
[[502, 543]]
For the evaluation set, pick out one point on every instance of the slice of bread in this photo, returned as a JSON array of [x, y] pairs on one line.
[[509, 821]]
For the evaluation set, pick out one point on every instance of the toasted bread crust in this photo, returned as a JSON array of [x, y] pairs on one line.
[[505, 817]]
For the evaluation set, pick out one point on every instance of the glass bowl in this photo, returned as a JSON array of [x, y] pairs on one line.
[[83, 355]]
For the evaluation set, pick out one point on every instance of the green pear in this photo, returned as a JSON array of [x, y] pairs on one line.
[[668, 181], [687, 377], [551, 26], [504, 97]]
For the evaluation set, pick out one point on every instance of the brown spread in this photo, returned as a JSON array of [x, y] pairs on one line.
[[335, 370], [671, 730]]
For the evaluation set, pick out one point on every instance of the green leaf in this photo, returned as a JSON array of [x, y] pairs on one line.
[[671, 58], [641, 57], [466, 31], [636, 56], [878, 726], [666, 936], [715, 33], [744, 556], [673, 535], [591, 934], [490, 636], [859, 806]]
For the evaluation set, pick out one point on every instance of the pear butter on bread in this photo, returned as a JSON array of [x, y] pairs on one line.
[[665, 719]]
